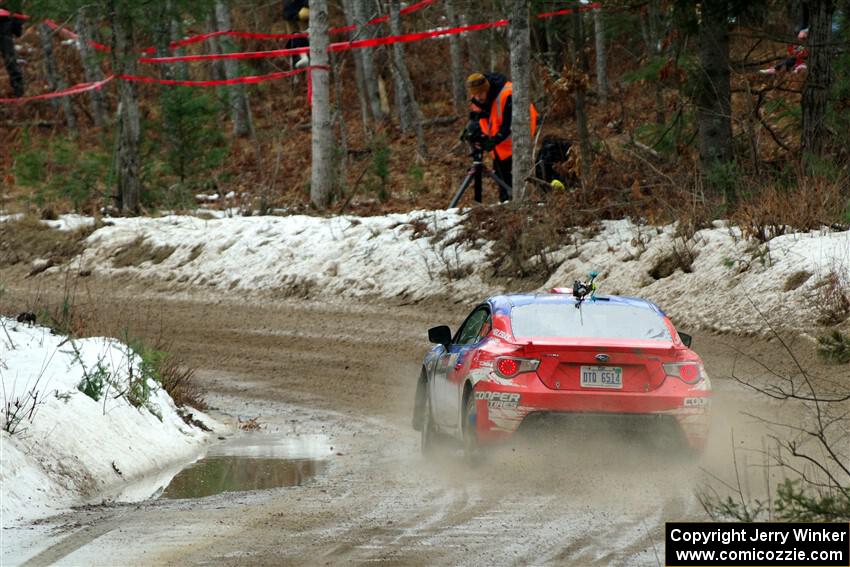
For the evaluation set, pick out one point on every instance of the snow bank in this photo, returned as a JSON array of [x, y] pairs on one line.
[[730, 281], [66, 447], [408, 255], [415, 256]]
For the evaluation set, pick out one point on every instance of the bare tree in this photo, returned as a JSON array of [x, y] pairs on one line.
[[240, 111], [357, 54], [714, 99], [456, 55], [601, 61], [819, 78], [322, 163], [581, 66], [410, 115], [363, 12], [91, 69], [129, 127], [520, 41], [55, 79]]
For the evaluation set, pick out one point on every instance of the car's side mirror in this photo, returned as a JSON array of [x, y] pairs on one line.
[[686, 339], [441, 335]]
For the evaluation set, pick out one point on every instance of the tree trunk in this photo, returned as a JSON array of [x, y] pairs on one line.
[[655, 53], [601, 61], [714, 103], [341, 102], [363, 12], [357, 54], [456, 56], [581, 96], [322, 163], [240, 111], [520, 42], [55, 80], [129, 128], [409, 112], [818, 80], [91, 69]]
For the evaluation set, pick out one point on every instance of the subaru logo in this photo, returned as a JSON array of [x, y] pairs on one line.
[[602, 357]]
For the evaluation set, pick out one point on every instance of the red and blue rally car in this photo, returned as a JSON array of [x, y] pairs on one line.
[[556, 354]]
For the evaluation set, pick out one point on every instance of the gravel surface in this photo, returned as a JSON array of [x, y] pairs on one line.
[[347, 371]]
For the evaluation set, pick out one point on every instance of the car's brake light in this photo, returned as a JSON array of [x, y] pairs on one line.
[[687, 372], [508, 366]]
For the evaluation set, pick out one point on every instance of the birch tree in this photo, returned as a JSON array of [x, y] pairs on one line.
[[240, 111], [601, 61], [322, 163], [520, 42]]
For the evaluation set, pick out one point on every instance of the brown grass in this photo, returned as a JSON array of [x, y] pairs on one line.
[[796, 280], [26, 239], [180, 382], [832, 303], [140, 251], [771, 212]]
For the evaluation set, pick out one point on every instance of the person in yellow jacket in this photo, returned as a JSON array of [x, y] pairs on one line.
[[491, 102]]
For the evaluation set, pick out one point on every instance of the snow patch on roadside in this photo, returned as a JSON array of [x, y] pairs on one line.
[[66, 447], [409, 255], [416, 255], [730, 281]]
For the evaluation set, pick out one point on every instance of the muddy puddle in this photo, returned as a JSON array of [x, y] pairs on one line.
[[252, 462]]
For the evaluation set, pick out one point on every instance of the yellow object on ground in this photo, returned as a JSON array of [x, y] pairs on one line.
[[556, 184]]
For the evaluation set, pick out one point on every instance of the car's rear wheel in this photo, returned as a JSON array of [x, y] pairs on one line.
[[471, 448], [428, 434]]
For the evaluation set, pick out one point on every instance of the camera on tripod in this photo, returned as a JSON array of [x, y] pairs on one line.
[[474, 135]]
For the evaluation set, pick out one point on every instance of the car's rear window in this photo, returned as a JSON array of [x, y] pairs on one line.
[[595, 320]]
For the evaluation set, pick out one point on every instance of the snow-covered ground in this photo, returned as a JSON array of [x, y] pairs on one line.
[[414, 256], [66, 447]]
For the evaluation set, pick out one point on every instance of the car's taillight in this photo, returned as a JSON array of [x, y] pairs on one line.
[[509, 366], [687, 372]]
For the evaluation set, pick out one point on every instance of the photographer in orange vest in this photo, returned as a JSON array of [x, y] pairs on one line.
[[491, 105]]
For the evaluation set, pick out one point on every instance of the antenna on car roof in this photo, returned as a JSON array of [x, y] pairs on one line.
[[582, 289]]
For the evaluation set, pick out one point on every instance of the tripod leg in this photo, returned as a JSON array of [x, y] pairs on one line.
[[478, 184], [461, 189], [500, 183]]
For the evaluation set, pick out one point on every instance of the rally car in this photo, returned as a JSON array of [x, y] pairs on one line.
[[519, 357]]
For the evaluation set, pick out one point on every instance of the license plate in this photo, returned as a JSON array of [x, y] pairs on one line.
[[602, 377]]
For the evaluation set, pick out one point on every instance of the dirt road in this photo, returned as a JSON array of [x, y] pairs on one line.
[[346, 372]]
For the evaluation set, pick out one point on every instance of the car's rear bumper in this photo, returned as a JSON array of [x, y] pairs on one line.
[[502, 408]]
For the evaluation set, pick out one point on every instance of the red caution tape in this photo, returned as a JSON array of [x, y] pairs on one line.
[[357, 44], [9, 14], [68, 34], [85, 87], [249, 80], [334, 47], [564, 12], [282, 36], [76, 89]]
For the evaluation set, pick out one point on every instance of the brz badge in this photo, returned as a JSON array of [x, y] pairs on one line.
[[601, 357]]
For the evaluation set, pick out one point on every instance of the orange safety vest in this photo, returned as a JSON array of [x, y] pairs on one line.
[[491, 126]]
